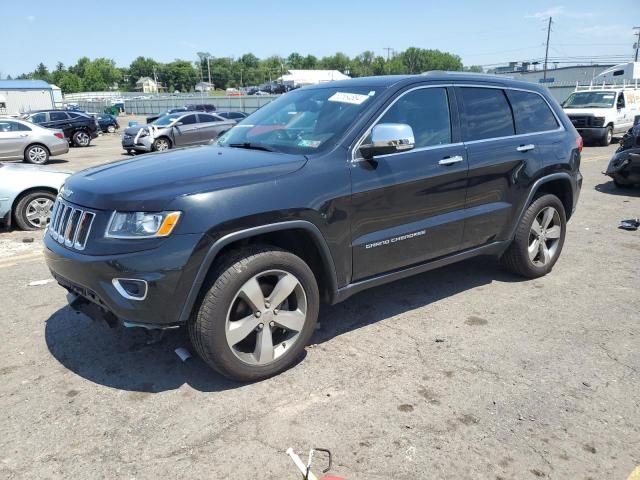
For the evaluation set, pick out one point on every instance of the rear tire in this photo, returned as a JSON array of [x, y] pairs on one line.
[[33, 210], [237, 331], [539, 238], [81, 139], [36, 154]]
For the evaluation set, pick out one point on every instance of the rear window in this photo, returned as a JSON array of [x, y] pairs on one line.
[[532, 114], [487, 114]]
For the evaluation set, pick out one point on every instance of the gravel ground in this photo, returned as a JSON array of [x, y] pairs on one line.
[[464, 372]]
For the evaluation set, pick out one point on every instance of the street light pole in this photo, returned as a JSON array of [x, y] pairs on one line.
[[637, 42]]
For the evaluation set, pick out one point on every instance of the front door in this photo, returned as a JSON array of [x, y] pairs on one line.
[[187, 132], [408, 206]]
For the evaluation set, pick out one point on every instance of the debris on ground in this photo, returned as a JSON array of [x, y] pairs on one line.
[[183, 353], [37, 283], [631, 224], [27, 240]]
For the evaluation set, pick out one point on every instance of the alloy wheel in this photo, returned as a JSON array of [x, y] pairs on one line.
[[38, 211], [83, 139], [37, 154], [162, 145], [266, 317], [544, 236]]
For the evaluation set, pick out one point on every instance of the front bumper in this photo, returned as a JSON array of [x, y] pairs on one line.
[[169, 271], [143, 144], [592, 134], [624, 167]]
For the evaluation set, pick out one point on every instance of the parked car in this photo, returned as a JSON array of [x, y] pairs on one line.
[[600, 113], [237, 116], [29, 142], [27, 193], [203, 107], [79, 128], [329, 190], [175, 130], [107, 123]]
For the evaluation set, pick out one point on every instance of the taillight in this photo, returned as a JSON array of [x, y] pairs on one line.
[[59, 135], [579, 143]]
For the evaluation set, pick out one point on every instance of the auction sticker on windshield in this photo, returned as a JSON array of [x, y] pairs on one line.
[[352, 98]]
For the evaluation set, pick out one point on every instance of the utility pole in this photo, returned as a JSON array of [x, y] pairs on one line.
[[637, 42], [546, 53], [209, 69], [389, 50]]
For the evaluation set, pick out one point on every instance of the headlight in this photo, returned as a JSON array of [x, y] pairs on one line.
[[143, 133], [142, 224]]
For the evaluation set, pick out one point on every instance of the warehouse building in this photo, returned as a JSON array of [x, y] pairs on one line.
[[17, 96]]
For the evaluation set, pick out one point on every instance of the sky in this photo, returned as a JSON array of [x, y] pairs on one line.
[[481, 32]]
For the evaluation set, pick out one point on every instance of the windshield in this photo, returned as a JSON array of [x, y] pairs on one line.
[[302, 121], [590, 100], [166, 120]]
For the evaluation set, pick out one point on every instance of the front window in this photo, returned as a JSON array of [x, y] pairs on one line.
[[302, 121], [590, 100], [166, 120]]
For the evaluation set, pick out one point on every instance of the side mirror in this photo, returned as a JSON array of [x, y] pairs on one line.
[[388, 138], [177, 124]]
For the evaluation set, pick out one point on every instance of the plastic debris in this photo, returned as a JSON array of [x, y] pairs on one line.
[[631, 224], [183, 353], [37, 283], [27, 240]]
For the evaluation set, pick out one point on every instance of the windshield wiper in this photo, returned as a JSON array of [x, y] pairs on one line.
[[252, 146]]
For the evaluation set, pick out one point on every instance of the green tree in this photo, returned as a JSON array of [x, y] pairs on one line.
[[41, 73], [179, 75], [70, 83], [140, 67], [310, 62], [418, 60], [295, 61], [474, 68]]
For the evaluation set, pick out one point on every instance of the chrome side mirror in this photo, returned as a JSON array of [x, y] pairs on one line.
[[386, 138]]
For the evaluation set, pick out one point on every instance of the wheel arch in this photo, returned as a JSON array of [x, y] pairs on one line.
[[166, 137], [24, 152], [300, 237], [558, 184]]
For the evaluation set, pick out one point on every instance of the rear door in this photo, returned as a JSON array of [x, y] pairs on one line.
[[14, 138], [60, 121], [209, 127], [408, 206], [186, 133], [504, 153]]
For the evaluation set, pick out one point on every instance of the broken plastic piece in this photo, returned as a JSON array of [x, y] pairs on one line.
[[37, 283], [631, 224], [183, 353]]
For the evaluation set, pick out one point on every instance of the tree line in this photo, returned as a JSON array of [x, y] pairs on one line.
[[102, 74]]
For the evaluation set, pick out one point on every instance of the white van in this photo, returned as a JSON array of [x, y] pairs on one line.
[[600, 112]]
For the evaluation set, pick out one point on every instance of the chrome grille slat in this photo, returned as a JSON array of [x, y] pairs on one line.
[[70, 225]]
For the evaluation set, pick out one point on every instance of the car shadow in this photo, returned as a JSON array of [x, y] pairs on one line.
[[610, 188], [120, 357], [54, 161]]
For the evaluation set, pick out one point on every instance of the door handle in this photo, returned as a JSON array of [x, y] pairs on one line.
[[24, 134], [526, 148], [451, 160]]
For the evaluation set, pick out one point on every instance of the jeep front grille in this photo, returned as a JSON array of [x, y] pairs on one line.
[[70, 225]]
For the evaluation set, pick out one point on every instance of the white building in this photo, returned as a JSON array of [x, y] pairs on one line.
[[147, 85], [300, 78], [17, 96], [204, 87]]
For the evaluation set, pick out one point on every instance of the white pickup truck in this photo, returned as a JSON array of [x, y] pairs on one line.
[[600, 112]]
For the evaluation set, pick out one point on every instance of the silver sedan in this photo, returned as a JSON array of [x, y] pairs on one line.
[[29, 142], [27, 193], [175, 130]]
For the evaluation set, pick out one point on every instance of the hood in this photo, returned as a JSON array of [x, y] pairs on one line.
[[152, 181], [133, 131], [30, 170]]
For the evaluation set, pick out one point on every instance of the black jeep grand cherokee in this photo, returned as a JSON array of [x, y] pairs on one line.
[[320, 194]]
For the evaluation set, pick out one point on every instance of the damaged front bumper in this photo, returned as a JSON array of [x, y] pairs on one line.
[[624, 167]]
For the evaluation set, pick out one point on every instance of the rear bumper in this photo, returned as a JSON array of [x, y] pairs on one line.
[[166, 269], [59, 148]]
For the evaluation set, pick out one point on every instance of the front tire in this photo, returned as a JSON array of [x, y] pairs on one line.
[[111, 129], [161, 144], [36, 154], [607, 137], [539, 238], [81, 139], [33, 210], [257, 314]]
